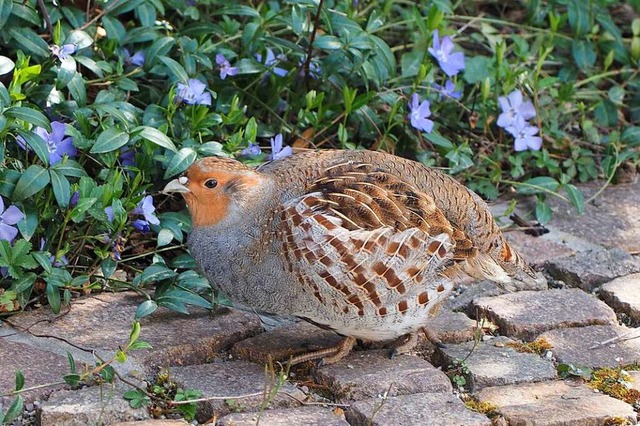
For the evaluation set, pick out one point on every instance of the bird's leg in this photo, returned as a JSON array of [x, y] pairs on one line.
[[404, 344], [432, 337], [327, 356]]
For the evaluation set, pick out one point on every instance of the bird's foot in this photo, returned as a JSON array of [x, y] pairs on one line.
[[432, 337], [403, 345], [326, 356]]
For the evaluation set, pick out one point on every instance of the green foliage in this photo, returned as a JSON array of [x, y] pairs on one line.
[[341, 77]]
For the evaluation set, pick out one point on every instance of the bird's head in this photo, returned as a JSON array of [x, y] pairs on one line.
[[216, 188]]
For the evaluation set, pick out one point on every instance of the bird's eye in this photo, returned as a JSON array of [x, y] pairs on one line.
[[211, 183]]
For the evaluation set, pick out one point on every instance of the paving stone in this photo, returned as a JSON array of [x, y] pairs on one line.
[[94, 405], [462, 300], [573, 345], [538, 250], [103, 323], [555, 403], [623, 295], [493, 363], [38, 368], [589, 269], [285, 342], [307, 416], [431, 409], [366, 374], [227, 380], [612, 220], [451, 327], [526, 314], [635, 377]]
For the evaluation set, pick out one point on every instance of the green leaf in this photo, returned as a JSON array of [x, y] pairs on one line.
[[543, 211], [24, 283], [72, 362], [175, 68], [156, 272], [155, 136], [30, 41], [327, 42], [32, 181], [165, 236], [29, 115], [478, 68], [66, 72], [53, 297], [80, 38], [6, 7], [584, 54], [576, 197], [537, 185], [578, 17], [37, 144], [160, 47], [108, 267], [109, 140], [61, 188], [135, 332], [19, 380], [180, 162], [69, 168], [71, 379], [606, 113], [631, 135], [78, 90], [146, 308], [410, 63], [15, 409]]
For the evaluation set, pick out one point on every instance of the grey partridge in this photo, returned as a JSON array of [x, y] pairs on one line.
[[364, 243]]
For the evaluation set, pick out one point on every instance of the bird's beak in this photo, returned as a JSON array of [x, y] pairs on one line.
[[177, 185]]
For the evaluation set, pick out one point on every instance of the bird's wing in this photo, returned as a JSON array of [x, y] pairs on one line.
[[370, 238]]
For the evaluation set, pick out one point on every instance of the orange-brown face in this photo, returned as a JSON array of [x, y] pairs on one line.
[[210, 186]]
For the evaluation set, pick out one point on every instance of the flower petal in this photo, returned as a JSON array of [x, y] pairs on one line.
[[527, 110], [534, 142], [515, 99], [12, 215], [504, 104], [520, 144], [7, 233]]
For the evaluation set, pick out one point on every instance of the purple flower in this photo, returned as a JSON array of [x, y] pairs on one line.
[[193, 93], [314, 69], [117, 244], [8, 218], [419, 113], [145, 207], [451, 63], [525, 135], [252, 150], [127, 157], [514, 110], [137, 59], [74, 199], [63, 52], [57, 144], [279, 151], [225, 67], [55, 262], [448, 90], [109, 212], [270, 62]]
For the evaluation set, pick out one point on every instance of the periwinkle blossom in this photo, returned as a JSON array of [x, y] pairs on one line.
[[63, 52], [448, 90], [145, 208], [419, 114], [270, 62], [278, 151], [514, 109], [127, 157], [252, 150], [225, 67], [75, 197], [451, 62], [193, 93], [136, 59], [525, 136], [8, 219], [55, 262], [314, 69], [57, 144], [109, 212]]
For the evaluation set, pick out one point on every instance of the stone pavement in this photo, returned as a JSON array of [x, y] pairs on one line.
[[593, 296]]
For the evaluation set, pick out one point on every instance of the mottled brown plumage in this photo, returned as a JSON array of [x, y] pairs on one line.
[[361, 242]]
